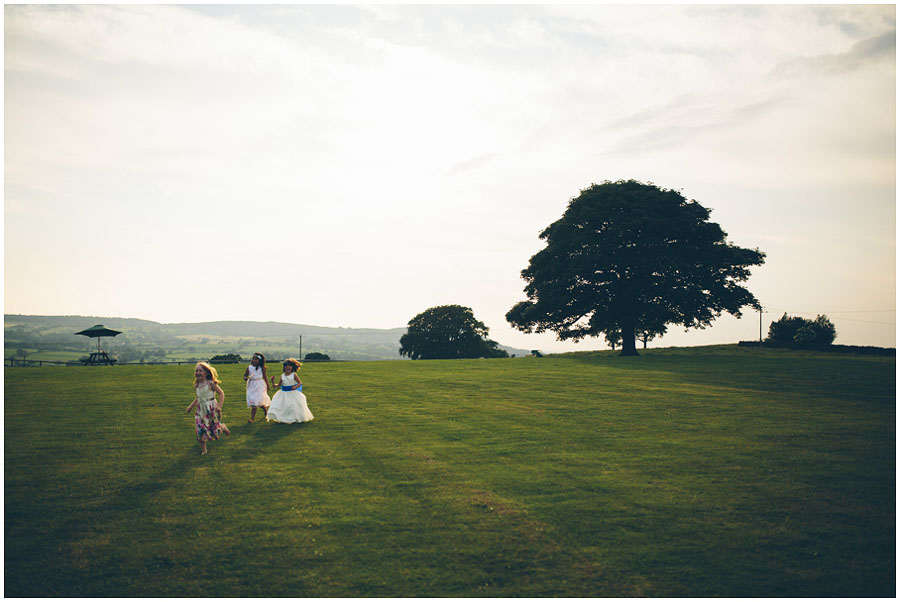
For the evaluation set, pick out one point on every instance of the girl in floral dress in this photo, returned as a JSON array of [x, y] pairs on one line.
[[208, 414], [257, 386]]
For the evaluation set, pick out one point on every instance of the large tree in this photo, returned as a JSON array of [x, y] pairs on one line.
[[448, 332], [628, 256]]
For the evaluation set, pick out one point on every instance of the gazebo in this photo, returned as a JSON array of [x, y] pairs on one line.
[[99, 357]]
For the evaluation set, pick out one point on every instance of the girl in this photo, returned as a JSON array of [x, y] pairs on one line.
[[208, 417], [257, 386], [289, 404]]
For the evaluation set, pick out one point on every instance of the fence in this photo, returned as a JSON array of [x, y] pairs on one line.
[[25, 363], [13, 362]]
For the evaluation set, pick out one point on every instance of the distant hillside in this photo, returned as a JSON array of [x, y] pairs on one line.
[[270, 329], [52, 338]]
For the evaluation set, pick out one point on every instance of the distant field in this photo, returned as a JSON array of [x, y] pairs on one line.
[[178, 354], [205, 347], [53, 338], [718, 471]]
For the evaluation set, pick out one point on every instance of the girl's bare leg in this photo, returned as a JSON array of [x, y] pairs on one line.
[[203, 448], [252, 414]]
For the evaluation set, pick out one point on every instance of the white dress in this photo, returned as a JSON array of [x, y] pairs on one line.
[[289, 406], [257, 391]]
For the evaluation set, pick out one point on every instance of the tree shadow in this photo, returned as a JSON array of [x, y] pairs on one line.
[[768, 373], [256, 438], [86, 537]]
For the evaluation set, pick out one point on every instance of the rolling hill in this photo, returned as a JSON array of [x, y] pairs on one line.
[[53, 338]]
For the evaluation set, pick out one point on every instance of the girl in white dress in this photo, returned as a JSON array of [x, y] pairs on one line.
[[289, 403], [257, 386]]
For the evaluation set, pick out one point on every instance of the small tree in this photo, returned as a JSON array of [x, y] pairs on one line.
[[793, 331], [448, 332], [613, 337], [315, 356], [645, 336], [824, 330], [783, 331]]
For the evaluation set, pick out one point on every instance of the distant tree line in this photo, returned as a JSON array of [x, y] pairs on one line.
[[225, 358], [234, 358]]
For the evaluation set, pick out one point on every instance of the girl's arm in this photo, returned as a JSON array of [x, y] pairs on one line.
[[219, 393], [191, 407], [299, 382], [246, 373], [265, 377], [279, 382]]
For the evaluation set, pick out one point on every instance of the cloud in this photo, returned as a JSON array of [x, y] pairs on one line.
[[880, 49], [474, 163], [681, 122], [161, 36]]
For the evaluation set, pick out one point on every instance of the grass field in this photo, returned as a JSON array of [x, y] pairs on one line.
[[717, 471]]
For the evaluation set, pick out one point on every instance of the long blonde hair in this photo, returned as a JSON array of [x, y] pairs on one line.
[[211, 374]]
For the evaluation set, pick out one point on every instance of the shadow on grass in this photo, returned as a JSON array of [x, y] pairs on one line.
[[90, 534], [769, 371], [249, 440], [129, 495], [246, 442]]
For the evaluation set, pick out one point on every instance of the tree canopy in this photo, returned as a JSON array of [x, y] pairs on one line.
[[630, 258], [448, 332], [792, 331]]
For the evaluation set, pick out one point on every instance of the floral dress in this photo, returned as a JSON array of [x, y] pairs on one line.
[[207, 417]]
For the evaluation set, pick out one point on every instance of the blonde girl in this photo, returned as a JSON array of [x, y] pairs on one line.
[[257, 386], [208, 414]]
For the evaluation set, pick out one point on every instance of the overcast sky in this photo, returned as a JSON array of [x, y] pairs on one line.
[[354, 165]]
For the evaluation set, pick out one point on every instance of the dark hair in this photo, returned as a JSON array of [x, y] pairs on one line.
[[262, 358]]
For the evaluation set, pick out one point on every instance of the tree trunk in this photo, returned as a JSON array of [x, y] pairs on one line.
[[628, 346]]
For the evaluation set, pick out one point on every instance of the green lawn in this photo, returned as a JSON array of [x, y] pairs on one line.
[[717, 471]]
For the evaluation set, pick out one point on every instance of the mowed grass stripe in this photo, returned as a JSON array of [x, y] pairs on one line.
[[691, 472]]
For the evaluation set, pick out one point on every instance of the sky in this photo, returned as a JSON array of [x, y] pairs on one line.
[[354, 165]]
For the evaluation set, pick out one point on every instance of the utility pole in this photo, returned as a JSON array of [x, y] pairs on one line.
[[300, 357], [760, 326]]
